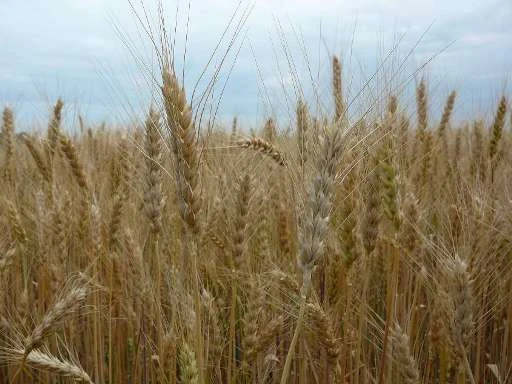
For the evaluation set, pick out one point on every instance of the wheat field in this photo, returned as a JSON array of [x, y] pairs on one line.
[[368, 250]]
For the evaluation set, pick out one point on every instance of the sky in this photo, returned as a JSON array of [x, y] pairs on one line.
[[97, 56]]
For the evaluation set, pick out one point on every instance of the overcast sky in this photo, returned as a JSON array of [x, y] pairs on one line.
[[78, 50]]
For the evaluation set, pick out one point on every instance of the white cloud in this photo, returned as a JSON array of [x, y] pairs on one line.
[[75, 40], [475, 39]]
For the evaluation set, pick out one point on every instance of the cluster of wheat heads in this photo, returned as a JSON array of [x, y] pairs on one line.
[[375, 251]]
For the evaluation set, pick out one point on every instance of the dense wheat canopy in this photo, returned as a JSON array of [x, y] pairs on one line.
[[344, 246]]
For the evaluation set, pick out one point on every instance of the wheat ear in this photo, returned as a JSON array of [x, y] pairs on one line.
[[60, 310], [447, 113], [462, 300], [408, 368], [44, 361], [38, 159], [264, 147], [242, 210], [8, 142], [337, 89], [188, 366], [54, 127], [421, 104], [153, 199], [269, 130], [184, 145], [314, 231], [302, 130], [496, 134], [71, 155]]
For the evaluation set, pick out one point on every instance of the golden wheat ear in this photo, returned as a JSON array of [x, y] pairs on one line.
[[71, 155], [447, 113], [496, 134], [43, 360], [402, 355], [302, 131], [41, 162], [153, 197], [337, 89], [63, 308], [264, 147], [184, 144], [8, 143]]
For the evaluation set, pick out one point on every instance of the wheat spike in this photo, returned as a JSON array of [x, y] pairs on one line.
[[405, 361], [188, 366], [269, 130], [462, 296], [313, 234], [447, 113], [322, 331], [264, 147], [284, 231], [153, 198], [71, 155], [496, 134], [184, 145], [251, 322], [234, 130], [389, 190], [54, 132], [337, 87], [318, 206], [8, 142], [371, 216], [421, 102], [242, 210], [7, 257], [45, 171], [45, 361], [18, 231], [63, 308], [302, 131]]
